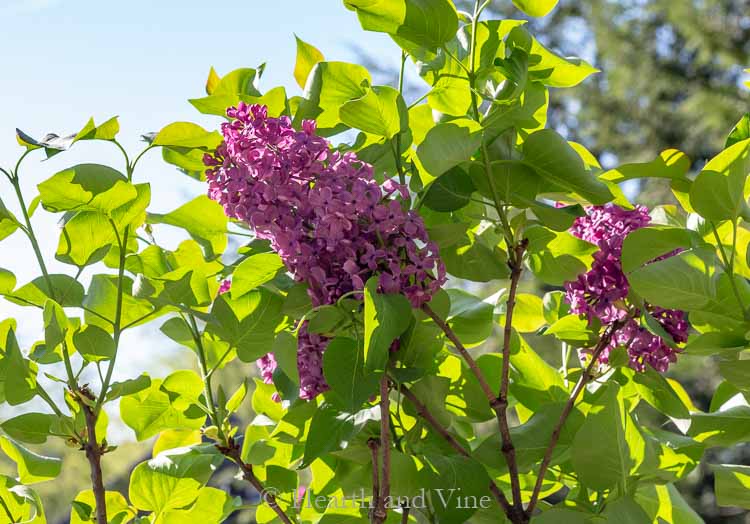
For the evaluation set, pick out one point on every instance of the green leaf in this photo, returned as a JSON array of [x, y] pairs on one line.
[[663, 503], [285, 351], [528, 314], [386, 317], [466, 256], [167, 404], [556, 257], [535, 7], [717, 192], [55, 324], [54, 144], [255, 271], [721, 428], [559, 515], [534, 382], [22, 502], [128, 387], [17, 374], [248, 323], [547, 67], [625, 510], [325, 319], [64, 289], [427, 23], [657, 391], [344, 370], [118, 509], [740, 132], [557, 162], [737, 373], [172, 480], [186, 136], [332, 429], [212, 506], [329, 86], [450, 95], [105, 131], [512, 182], [573, 329], [450, 191], [681, 282], [176, 438], [32, 428], [307, 56], [101, 302], [457, 474], [469, 317], [8, 222], [85, 239], [380, 111], [94, 344], [646, 244], [7, 281], [204, 219], [237, 397], [32, 468], [600, 452], [190, 163], [91, 187], [671, 164], [446, 145], [732, 485]]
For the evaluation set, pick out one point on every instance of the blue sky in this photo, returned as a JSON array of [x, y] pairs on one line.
[[63, 61]]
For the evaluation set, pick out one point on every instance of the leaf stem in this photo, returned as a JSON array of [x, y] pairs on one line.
[[568, 408], [205, 376], [729, 268], [7, 510], [117, 324]]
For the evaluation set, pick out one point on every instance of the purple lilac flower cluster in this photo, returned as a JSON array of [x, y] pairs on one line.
[[325, 215], [601, 292]]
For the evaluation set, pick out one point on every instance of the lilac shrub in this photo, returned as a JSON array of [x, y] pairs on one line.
[[601, 293]]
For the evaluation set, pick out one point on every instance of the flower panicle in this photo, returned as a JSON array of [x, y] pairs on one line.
[[333, 225]]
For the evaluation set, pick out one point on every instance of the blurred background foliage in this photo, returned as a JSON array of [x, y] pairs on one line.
[[672, 74]]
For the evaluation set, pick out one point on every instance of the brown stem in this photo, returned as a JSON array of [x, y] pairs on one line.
[[94, 452], [486, 389], [381, 512], [233, 452], [586, 376], [404, 514], [423, 412], [501, 406], [374, 444]]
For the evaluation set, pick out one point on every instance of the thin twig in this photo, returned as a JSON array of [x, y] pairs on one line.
[[233, 452], [381, 512], [374, 444], [94, 452], [423, 412], [404, 514], [568, 408], [501, 407], [483, 384]]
